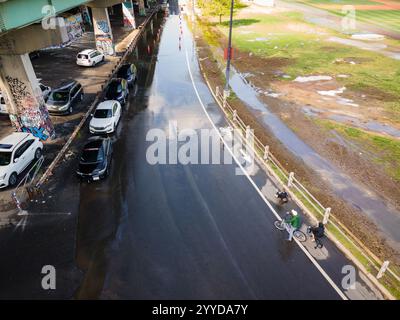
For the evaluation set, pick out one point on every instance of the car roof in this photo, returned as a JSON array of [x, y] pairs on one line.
[[87, 51], [108, 104], [66, 85], [11, 141]]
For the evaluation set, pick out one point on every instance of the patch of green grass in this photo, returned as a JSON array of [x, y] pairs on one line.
[[385, 149], [311, 53]]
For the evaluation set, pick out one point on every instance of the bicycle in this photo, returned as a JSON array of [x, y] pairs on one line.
[[298, 234]]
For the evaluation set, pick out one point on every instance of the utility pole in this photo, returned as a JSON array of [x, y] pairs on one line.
[[229, 53]]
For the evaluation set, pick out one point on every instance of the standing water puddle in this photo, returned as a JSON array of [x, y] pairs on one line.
[[385, 216]]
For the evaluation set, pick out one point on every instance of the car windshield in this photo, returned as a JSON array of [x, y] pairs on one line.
[[123, 72], [92, 155], [103, 113], [5, 158], [114, 87], [82, 56], [59, 96]]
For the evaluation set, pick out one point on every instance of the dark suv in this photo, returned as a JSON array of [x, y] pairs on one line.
[[63, 99], [118, 90]]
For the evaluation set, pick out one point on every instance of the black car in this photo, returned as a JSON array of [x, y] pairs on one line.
[[128, 72], [63, 99], [95, 159], [118, 90]]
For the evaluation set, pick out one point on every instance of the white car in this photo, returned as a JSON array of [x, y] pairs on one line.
[[106, 117], [17, 151], [89, 58], [3, 109]]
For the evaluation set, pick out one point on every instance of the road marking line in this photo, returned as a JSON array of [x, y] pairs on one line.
[[312, 259]]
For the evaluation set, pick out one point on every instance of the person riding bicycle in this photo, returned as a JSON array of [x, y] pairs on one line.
[[318, 231], [282, 195], [292, 223]]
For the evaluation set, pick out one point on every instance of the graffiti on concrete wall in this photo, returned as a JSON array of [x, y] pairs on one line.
[[31, 112], [103, 26], [127, 12], [104, 39], [73, 25], [104, 44]]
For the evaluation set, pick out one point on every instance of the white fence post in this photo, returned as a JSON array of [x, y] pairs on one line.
[[326, 215], [266, 153], [234, 115], [290, 179], [248, 131], [217, 91], [384, 267]]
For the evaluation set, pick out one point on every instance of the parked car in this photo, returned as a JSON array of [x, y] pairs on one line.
[[128, 72], [3, 109], [17, 151], [106, 117], [63, 99], [89, 58], [45, 91], [118, 90], [95, 159]]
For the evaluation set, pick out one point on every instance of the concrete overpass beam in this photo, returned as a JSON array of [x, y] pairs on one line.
[[25, 102], [128, 14], [142, 8], [102, 31]]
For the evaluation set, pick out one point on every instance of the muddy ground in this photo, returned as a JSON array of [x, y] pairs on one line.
[[352, 163]]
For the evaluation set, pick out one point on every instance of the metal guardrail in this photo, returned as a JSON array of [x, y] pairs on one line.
[[296, 189]]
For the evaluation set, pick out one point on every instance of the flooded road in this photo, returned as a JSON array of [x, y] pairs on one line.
[[184, 231], [386, 217], [163, 231]]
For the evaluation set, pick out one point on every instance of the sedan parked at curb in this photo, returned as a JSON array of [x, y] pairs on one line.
[[89, 58], [118, 90], [106, 117], [95, 160], [128, 72], [17, 151], [3, 109], [62, 100]]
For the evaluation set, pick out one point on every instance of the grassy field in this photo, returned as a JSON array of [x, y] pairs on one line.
[[386, 149], [388, 18], [286, 35]]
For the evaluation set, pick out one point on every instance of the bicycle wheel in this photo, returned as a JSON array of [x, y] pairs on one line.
[[279, 225], [299, 235]]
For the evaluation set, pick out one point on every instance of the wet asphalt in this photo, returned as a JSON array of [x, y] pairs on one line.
[[164, 231]]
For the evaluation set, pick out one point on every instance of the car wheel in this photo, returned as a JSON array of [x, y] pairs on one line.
[[38, 153], [12, 181]]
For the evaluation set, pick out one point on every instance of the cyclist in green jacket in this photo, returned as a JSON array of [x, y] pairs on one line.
[[293, 224]]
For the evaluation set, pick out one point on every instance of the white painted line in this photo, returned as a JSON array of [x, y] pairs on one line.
[[319, 268]]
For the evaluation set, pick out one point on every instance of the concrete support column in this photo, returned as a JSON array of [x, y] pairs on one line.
[[128, 14], [142, 9], [102, 31], [24, 97]]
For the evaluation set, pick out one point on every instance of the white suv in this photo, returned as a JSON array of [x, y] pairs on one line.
[[89, 58], [17, 151]]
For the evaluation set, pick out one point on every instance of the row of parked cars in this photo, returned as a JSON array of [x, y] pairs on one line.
[[96, 157], [20, 149]]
